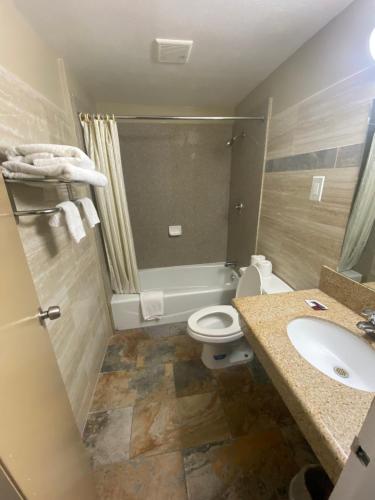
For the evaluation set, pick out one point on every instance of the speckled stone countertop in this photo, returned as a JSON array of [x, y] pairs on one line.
[[329, 414]]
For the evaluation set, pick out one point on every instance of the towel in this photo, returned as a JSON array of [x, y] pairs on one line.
[[54, 149], [64, 171], [91, 215], [152, 304], [34, 156], [72, 218], [45, 162]]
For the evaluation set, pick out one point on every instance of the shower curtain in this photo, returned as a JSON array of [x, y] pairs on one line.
[[362, 216], [102, 144]]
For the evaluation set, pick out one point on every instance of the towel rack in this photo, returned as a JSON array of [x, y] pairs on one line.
[[50, 181], [42, 211]]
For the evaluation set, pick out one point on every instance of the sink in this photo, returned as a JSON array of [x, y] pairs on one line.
[[334, 351]]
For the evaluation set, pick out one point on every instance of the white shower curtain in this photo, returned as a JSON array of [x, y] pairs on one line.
[[102, 144], [362, 216]]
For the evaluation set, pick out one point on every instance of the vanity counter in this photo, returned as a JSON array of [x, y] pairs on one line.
[[329, 413]]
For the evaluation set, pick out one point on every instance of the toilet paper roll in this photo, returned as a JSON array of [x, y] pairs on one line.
[[265, 268], [256, 258]]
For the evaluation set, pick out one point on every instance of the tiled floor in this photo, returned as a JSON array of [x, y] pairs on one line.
[[164, 427]]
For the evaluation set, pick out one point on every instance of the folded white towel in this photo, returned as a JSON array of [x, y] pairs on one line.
[[152, 304], [72, 218], [45, 162], [63, 171], [35, 156], [54, 149], [91, 215]]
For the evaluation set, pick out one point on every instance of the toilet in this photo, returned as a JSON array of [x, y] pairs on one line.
[[219, 327]]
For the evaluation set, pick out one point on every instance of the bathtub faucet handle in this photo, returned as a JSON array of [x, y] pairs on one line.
[[231, 263]]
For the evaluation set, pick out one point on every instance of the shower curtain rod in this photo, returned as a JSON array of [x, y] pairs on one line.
[[176, 118]]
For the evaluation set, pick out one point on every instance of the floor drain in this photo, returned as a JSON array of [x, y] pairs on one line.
[[341, 372]]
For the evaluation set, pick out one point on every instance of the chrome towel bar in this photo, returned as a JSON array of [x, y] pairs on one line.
[[42, 211]]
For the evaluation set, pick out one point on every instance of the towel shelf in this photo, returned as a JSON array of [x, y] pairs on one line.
[[42, 211], [35, 180], [40, 179]]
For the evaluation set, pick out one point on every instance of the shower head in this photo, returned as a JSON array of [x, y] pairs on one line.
[[233, 139]]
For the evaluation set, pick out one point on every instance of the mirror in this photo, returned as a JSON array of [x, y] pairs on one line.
[[358, 252]]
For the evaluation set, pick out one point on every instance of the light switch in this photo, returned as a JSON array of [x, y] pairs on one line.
[[317, 187], [175, 230]]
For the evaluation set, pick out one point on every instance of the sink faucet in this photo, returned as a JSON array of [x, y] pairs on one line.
[[369, 325], [230, 263]]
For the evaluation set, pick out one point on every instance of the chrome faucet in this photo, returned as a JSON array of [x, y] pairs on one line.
[[230, 263], [369, 325]]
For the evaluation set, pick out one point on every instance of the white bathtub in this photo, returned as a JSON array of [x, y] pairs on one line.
[[186, 289]]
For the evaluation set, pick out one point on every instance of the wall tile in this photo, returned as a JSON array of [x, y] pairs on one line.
[[177, 174], [308, 161], [64, 273]]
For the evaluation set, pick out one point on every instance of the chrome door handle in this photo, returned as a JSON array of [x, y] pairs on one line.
[[239, 206], [53, 312]]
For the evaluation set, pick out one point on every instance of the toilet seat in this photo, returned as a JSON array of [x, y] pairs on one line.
[[215, 324]]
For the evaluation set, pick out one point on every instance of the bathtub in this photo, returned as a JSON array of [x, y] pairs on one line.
[[186, 289]]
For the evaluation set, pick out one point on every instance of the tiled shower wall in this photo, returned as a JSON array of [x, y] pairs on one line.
[[64, 273], [322, 135], [177, 174]]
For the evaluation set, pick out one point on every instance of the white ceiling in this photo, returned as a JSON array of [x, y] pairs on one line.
[[237, 44]]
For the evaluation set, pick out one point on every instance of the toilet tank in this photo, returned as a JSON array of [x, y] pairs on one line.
[[252, 283]]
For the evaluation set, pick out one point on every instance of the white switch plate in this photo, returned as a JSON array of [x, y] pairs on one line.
[[175, 230], [317, 187]]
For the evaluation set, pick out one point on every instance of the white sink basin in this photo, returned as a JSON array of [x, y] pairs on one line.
[[334, 351]]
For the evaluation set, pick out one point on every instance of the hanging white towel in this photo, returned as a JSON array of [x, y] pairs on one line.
[[64, 171], [72, 218], [91, 215], [152, 304]]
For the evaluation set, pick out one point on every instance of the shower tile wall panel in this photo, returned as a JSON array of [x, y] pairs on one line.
[[64, 273], [322, 135], [177, 174], [248, 157]]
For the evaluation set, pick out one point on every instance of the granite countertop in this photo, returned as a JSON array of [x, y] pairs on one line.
[[329, 413]]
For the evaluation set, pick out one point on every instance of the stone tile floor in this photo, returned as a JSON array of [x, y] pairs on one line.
[[162, 426]]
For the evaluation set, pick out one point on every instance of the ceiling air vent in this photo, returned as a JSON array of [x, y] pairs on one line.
[[173, 51]]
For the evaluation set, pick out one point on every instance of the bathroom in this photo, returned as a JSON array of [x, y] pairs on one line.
[[188, 250]]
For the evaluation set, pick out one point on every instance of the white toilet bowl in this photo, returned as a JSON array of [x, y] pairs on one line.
[[219, 329]]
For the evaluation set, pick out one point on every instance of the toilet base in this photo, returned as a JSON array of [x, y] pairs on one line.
[[216, 356]]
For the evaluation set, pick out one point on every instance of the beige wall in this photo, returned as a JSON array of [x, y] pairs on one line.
[[337, 51], [177, 174], [64, 273], [321, 100]]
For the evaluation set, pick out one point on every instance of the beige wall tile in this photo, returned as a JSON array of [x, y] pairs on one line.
[[64, 273]]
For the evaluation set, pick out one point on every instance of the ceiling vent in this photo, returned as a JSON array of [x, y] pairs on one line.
[[173, 51]]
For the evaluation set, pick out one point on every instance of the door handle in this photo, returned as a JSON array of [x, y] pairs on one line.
[[53, 312], [239, 206]]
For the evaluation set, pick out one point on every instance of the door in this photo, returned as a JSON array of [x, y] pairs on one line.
[[40, 446], [357, 480]]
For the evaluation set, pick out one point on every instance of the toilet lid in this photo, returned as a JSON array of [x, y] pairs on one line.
[[215, 321], [250, 283]]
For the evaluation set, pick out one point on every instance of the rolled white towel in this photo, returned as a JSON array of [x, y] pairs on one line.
[[72, 218], [63, 171], [91, 215]]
